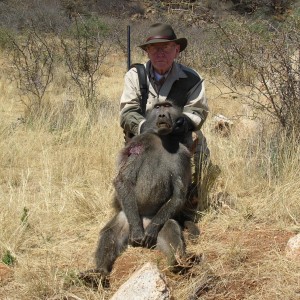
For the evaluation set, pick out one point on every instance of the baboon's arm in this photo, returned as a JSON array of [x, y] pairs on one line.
[[128, 203]]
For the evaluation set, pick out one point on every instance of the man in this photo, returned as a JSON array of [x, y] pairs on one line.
[[170, 80], [165, 78]]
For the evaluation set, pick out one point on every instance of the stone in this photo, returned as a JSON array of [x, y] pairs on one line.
[[147, 283], [293, 247], [222, 125]]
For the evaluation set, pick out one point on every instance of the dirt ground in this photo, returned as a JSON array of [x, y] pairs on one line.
[[248, 248]]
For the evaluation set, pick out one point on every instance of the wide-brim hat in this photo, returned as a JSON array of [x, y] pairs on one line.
[[163, 33]]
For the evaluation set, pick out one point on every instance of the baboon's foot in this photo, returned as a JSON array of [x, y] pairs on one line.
[[94, 278]]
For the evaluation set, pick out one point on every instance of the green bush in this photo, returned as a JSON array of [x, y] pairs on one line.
[[8, 258], [88, 28], [5, 37]]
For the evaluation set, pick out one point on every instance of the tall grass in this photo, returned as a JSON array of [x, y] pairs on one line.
[[57, 167], [56, 186]]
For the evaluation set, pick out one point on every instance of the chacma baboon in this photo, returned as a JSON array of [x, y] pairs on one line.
[[151, 185]]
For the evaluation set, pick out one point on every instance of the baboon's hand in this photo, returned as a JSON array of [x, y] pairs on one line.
[[150, 237], [136, 237]]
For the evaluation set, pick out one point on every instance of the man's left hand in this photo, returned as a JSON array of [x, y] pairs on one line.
[[182, 125]]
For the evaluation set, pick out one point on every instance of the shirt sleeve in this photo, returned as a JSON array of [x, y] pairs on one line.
[[196, 108], [131, 116]]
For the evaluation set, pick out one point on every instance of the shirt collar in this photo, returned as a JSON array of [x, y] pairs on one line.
[[155, 76]]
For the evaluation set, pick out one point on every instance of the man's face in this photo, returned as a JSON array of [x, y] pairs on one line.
[[162, 55]]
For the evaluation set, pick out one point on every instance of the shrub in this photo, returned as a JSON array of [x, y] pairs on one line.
[[87, 28], [5, 40], [265, 61], [32, 58], [8, 258], [84, 54]]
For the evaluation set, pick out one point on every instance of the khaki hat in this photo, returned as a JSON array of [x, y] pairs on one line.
[[163, 33]]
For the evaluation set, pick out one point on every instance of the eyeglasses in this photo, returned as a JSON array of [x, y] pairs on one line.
[[152, 49]]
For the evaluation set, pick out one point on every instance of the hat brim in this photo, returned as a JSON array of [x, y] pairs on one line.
[[181, 41]]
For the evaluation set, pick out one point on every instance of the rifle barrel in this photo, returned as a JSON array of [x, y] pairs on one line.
[[128, 48]]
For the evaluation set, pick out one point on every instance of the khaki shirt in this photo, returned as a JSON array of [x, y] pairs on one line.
[[131, 117]]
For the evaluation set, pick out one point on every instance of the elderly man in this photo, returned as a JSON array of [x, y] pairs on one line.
[[170, 80]]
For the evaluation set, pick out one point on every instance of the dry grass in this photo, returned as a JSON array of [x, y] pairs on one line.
[[55, 191]]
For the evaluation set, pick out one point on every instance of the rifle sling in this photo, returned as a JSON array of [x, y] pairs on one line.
[[142, 75]]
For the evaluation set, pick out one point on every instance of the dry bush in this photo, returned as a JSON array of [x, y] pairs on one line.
[[35, 58], [264, 61], [84, 54], [271, 6], [19, 14], [32, 59]]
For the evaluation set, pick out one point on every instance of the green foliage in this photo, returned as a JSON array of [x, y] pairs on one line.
[[24, 217], [292, 20], [261, 28], [5, 37], [87, 28], [8, 258]]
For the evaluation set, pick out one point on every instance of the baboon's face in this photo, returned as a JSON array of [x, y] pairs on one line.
[[165, 115]]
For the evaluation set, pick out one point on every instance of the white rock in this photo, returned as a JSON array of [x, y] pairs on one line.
[[147, 283], [293, 247], [222, 125], [217, 118]]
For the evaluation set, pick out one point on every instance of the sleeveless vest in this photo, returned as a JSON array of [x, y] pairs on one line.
[[180, 90]]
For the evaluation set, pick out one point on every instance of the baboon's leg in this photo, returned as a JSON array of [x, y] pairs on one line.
[[170, 241], [112, 241]]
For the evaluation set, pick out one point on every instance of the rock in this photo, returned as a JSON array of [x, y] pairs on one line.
[[244, 128], [293, 247], [222, 125], [147, 283], [132, 260]]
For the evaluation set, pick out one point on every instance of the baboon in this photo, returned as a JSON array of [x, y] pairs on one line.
[[151, 185]]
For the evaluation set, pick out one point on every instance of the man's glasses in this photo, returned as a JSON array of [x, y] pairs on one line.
[[152, 49]]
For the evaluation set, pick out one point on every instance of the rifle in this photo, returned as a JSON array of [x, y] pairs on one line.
[[141, 70], [142, 75], [128, 48]]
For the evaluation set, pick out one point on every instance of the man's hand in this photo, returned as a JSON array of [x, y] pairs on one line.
[[182, 125]]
